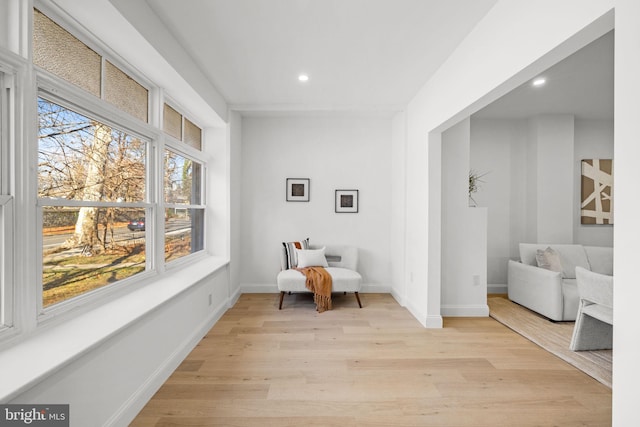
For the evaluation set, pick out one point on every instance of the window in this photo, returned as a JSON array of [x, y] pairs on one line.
[[91, 187], [6, 204], [175, 123], [183, 188], [184, 208], [99, 172], [60, 53]]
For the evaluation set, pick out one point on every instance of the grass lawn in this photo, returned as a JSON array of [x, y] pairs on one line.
[[65, 277]]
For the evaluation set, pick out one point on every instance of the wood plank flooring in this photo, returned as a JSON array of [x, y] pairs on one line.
[[375, 366]]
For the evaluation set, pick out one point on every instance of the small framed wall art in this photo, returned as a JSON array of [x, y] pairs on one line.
[[298, 189], [346, 201]]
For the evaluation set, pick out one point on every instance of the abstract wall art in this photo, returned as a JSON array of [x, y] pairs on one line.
[[298, 189], [346, 201], [596, 205]]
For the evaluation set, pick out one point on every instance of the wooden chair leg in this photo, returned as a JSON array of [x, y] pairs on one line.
[[281, 298], [358, 298]]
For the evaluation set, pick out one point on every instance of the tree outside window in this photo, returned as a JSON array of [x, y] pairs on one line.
[[91, 184]]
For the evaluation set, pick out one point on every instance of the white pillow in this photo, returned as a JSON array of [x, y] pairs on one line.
[[549, 259], [311, 258]]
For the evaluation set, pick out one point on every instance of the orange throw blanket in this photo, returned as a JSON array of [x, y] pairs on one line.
[[319, 282]]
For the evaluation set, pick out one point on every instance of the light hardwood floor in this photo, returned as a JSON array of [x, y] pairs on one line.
[[375, 366]]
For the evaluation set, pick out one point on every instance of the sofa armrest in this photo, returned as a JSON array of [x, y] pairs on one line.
[[536, 288]]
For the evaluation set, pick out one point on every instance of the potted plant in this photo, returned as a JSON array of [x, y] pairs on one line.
[[474, 185]]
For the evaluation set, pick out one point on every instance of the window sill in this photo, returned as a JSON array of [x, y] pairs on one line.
[[22, 365]]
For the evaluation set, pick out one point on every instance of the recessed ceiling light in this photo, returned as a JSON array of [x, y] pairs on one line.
[[303, 78], [540, 81]]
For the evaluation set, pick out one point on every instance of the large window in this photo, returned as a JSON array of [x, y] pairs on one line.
[[112, 189], [91, 189]]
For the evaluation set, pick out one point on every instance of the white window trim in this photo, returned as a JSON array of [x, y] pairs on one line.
[[7, 223], [6, 262], [168, 142], [69, 96]]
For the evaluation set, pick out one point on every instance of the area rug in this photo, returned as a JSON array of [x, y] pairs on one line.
[[552, 336]]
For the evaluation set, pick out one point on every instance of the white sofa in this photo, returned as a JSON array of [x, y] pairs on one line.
[[342, 261], [554, 294]]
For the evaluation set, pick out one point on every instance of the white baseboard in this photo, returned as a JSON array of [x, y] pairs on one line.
[[233, 299], [475, 310], [374, 288], [399, 299], [433, 321], [496, 289], [258, 288]]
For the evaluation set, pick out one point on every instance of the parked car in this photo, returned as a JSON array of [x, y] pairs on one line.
[[136, 224]]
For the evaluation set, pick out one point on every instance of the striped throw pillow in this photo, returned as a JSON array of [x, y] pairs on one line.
[[290, 249]]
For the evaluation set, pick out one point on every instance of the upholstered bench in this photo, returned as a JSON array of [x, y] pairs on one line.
[[342, 262]]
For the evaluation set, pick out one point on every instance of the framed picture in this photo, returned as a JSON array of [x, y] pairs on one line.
[[346, 201], [298, 189], [596, 200]]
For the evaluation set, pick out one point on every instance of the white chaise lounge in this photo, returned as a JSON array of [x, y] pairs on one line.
[[342, 266]]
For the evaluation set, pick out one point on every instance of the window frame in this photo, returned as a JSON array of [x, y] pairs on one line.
[[180, 147], [69, 96], [8, 123], [186, 151], [20, 282], [60, 91]]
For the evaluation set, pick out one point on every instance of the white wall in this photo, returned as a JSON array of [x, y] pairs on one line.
[[464, 231], [593, 140], [498, 150], [334, 153], [398, 200], [235, 202], [503, 149], [555, 174], [626, 374]]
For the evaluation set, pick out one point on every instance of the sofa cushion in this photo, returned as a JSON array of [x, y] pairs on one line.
[[600, 259], [571, 256], [549, 259], [311, 258], [291, 258], [344, 280]]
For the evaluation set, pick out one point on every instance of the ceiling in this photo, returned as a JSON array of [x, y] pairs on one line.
[[360, 55], [581, 84]]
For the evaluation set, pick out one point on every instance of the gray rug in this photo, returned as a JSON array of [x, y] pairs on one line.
[[553, 337]]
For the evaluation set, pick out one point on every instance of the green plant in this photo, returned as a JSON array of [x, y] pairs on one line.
[[474, 182]]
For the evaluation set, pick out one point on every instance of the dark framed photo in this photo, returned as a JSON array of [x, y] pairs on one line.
[[346, 201], [298, 189]]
